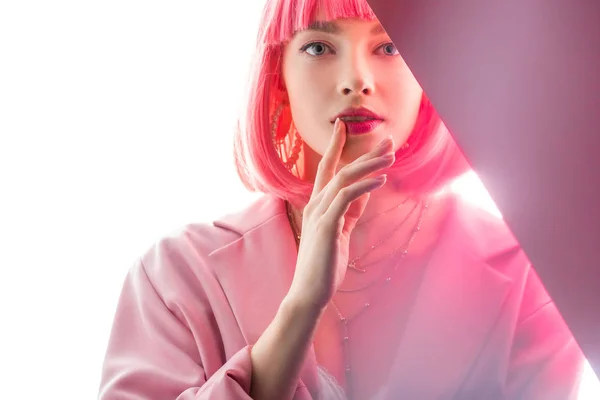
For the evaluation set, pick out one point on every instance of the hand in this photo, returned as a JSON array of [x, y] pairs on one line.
[[336, 204]]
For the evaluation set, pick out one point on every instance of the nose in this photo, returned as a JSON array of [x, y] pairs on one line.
[[357, 77]]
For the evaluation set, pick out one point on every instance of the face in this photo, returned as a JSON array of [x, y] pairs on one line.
[[348, 63]]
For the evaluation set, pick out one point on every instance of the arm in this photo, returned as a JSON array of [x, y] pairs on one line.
[[151, 354], [278, 355], [546, 362]]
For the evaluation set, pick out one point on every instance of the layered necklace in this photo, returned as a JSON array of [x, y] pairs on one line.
[[352, 264], [385, 277]]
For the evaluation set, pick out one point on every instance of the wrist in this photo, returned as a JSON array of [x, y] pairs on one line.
[[302, 306]]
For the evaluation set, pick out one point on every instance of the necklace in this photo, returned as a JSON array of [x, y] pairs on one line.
[[344, 321], [295, 229], [384, 212], [370, 219], [352, 263], [403, 248]]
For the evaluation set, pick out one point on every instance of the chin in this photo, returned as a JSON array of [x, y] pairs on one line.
[[351, 154], [364, 142]]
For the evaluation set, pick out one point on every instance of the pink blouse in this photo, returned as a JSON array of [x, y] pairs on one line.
[[482, 325]]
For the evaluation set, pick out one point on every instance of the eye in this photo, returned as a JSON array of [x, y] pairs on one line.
[[315, 48], [389, 49]]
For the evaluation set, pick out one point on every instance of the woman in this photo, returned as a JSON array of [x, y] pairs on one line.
[[357, 275]]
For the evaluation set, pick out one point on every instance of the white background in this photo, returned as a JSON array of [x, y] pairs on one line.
[[116, 123]]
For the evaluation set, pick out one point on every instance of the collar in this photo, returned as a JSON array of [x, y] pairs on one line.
[[487, 234]]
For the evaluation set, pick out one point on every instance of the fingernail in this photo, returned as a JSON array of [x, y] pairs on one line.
[[385, 141], [381, 178], [336, 125]]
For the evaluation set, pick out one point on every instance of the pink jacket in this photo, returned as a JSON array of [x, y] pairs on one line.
[[190, 309]]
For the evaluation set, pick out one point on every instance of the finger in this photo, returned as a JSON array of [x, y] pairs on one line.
[[328, 164], [384, 147], [348, 175], [351, 215], [345, 197]]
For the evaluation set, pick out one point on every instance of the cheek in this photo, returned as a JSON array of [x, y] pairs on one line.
[[403, 92], [309, 84], [309, 96], [311, 106]]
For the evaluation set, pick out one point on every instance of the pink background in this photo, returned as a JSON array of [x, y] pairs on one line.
[[518, 84]]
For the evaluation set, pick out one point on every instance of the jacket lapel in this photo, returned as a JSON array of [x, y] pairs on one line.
[[454, 313], [458, 304], [256, 270]]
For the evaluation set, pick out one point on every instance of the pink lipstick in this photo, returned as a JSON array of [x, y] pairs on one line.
[[361, 127], [359, 120]]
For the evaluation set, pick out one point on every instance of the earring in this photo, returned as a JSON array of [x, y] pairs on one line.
[[280, 144], [292, 159], [274, 123], [405, 146]]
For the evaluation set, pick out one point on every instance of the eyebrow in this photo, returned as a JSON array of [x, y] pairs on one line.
[[332, 27]]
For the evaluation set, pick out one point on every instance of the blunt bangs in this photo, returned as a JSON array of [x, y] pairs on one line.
[[284, 18]]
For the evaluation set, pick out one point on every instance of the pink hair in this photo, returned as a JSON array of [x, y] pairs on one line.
[[431, 161]]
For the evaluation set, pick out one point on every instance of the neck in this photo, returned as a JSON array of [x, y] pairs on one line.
[[390, 215], [372, 227], [384, 199], [380, 199], [387, 221]]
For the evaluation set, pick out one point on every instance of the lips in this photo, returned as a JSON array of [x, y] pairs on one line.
[[358, 128], [359, 120], [360, 114]]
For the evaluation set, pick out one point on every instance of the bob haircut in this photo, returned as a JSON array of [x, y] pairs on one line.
[[431, 161]]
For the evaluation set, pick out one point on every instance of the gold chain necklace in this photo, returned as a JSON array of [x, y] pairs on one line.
[[359, 223], [345, 321], [352, 263]]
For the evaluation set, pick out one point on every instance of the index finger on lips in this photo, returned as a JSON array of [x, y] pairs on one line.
[[329, 162]]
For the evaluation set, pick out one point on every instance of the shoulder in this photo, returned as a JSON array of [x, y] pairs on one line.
[[483, 231], [185, 250], [486, 235], [483, 236]]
